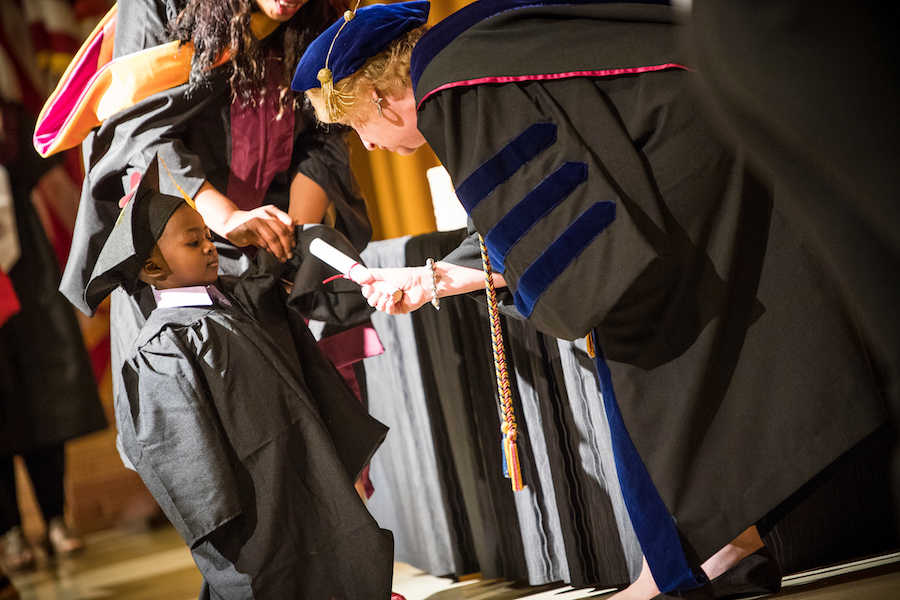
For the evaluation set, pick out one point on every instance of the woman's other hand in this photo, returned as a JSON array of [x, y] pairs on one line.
[[265, 227]]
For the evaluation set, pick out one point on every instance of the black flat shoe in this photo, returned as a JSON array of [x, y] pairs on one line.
[[754, 575], [704, 592]]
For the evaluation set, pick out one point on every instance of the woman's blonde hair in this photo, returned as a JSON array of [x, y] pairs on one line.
[[387, 72]]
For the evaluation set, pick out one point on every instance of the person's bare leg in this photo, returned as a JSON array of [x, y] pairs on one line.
[[740, 547], [644, 587]]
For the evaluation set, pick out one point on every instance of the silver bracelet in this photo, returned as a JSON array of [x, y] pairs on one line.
[[435, 301]]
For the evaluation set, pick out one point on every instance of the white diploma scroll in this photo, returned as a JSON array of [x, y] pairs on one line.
[[343, 263]]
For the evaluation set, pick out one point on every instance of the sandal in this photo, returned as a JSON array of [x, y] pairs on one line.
[[17, 552], [7, 589], [61, 541]]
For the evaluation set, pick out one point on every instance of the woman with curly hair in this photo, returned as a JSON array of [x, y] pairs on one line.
[[264, 112], [233, 136]]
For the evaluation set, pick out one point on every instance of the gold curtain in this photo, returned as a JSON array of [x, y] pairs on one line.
[[395, 186]]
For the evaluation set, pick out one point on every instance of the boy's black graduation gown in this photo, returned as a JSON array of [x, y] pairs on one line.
[[572, 138], [251, 448]]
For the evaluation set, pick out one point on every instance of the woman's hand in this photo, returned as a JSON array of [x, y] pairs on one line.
[[414, 282], [265, 227]]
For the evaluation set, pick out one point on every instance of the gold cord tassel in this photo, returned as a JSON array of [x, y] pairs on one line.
[[326, 78], [335, 102], [512, 469]]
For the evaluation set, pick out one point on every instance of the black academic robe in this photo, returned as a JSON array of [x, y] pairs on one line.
[[813, 95], [48, 393], [730, 372], [192, 132], [251, 448]]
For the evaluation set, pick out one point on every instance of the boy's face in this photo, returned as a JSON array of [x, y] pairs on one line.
[[188, 255]]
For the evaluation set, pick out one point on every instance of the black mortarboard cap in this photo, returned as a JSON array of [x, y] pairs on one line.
[[145, 212]]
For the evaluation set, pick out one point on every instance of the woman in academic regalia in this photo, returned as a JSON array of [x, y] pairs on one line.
[[608, 206]]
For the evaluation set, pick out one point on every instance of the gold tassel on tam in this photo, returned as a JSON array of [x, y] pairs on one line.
[[325, 78], [511, 467], [335, 101]]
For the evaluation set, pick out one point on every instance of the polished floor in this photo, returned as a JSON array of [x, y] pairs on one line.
[[156, 565]]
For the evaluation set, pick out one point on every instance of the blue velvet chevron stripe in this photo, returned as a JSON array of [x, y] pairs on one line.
[[554, 260], [653, 525], [502, 165], [533, 207]]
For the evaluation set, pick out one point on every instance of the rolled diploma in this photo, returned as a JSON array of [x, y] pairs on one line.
[[343, 263]]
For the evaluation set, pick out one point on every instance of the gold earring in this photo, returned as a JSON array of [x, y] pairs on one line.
[[377, 104]]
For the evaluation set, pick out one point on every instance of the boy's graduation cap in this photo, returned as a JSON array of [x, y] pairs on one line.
[[350, 42], [145, 212]]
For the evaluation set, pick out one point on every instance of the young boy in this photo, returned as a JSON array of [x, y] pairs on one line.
[[250, 446]]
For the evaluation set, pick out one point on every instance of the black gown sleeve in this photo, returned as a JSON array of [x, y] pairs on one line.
[[321, 153], [141, 24]]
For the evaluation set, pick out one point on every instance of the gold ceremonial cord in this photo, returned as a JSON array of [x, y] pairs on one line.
[[508, 428]]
